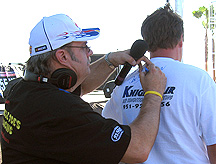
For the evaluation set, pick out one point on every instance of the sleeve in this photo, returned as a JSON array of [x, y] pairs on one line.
[[208, 115], [113, 107]]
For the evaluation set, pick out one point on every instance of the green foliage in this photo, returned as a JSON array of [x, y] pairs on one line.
[[197, 14], [203, 11]]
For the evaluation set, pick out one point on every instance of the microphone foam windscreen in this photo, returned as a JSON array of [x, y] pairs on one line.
[[138, 49]]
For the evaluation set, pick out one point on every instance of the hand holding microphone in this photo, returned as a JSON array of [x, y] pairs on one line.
[[138, 49]]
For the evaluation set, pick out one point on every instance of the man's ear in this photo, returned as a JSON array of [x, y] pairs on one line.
[[181, 41], [61, 56], [181, 44]]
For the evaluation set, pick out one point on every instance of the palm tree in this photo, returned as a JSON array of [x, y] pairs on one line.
[[203, 11], [212, 28]]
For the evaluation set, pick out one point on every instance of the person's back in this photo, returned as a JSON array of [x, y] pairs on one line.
[[187, 131], [187, 115]]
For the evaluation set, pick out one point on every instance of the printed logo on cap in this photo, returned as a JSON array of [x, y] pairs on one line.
[[41, 48], [87, 33], [66, 35]]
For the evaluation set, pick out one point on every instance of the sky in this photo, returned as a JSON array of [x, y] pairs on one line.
[[119, 20]]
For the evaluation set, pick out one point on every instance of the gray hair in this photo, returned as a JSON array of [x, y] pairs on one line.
[[41, 64]]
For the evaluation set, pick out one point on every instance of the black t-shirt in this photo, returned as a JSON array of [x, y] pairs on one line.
[[44, 124]]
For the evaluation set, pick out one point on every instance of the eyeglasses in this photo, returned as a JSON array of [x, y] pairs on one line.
[[88, 49]]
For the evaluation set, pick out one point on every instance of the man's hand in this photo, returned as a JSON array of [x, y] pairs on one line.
[[100, 70], [121, 57], [154, 80], [212, 153]]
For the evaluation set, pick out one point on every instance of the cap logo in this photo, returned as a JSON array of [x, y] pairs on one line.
[[66, 35], [41, 48], [116, 134], [79, 34]]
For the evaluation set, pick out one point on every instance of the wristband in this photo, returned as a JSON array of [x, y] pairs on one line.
[[154, 92], [108, 62]]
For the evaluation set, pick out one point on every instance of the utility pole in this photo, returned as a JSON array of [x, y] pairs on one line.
[[179, 7]]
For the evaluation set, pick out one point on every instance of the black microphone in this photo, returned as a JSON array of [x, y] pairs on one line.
[[137, 50]]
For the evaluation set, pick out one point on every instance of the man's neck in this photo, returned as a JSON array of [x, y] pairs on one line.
[[168, 53]]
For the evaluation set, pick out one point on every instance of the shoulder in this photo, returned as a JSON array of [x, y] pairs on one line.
[[200, 75], [181, 70], [60, 97], [49, 98]]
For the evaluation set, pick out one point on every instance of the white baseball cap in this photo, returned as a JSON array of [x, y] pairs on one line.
[[55, 31]]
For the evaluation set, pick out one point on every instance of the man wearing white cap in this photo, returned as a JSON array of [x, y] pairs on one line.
[[45, 120]]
